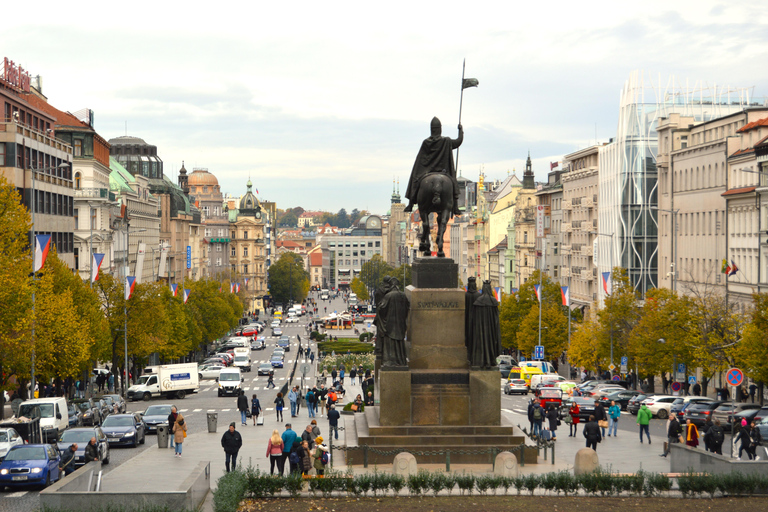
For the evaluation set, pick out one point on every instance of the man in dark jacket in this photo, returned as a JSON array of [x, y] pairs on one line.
[[673, 433], [333, 420], [600, 415], [308, 436], [67, 463], [242, 406], [705, 430], [91, 451], [171, 421], [717, 435], [592, 433], [231, 442]]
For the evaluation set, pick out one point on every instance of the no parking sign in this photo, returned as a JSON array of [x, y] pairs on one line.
[[735, 377]]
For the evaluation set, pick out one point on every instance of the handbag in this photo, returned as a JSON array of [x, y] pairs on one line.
[[603, 423], [185, 433], [354, 407]]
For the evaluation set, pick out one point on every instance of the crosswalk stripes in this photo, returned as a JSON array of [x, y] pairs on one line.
[[197, 410], [183, 410], [225, 410], [16, 494]]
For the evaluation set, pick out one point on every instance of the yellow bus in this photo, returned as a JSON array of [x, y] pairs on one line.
[[525, 373]]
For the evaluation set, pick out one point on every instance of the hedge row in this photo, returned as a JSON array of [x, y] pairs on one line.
[[238, 485]]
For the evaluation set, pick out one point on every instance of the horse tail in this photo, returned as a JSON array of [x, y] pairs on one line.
[[437, 192]]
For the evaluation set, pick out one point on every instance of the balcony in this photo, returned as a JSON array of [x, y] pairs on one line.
[[566, 204], [587, 203], [566, 227], [586, 250], [587, 275], [27, 131], [94, 193]]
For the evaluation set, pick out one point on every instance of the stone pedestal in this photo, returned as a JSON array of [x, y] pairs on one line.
[[436, 329], [484, 397], [435, 273], [586, 461], [395, 397]]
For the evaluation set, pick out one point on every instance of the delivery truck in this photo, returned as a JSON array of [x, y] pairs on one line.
[[166, 381], [243, 358]]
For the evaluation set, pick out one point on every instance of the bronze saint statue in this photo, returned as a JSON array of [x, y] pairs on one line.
[[470, 297], [486, 330], [435, 155], [393, 311], [378, 322]]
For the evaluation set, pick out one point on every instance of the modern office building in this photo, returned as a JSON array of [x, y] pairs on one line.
[[345, 254]]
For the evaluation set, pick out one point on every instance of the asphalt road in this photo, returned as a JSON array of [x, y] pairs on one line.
[[195, 407]]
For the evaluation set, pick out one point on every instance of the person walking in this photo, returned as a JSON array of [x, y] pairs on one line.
[[755, 440], [322, 393], [242, 406], [289, 437], [592, 433], [317, 456], [279, 404], [179, 433], [171, 422], [674, 432], [691, 434], [311, 399], [341, 376], [644, 416], [360, 374], [353, 374], [231, 441], [574, 412], [333, 375], [601, 417], [292, 398], [270, 379], [706, 434], [614, 413], [315, 429], [718, 436], [553, 419], [742, 437], [275, 453], [333, 421], [255, 408], [538, 418]]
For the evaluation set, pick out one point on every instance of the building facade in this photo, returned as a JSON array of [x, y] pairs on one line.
[[204, 187], [526, 243], [344, 255], [248, 248]]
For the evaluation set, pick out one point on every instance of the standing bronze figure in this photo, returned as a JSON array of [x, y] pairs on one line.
[[470, 297], [486, 329], [393, 314]]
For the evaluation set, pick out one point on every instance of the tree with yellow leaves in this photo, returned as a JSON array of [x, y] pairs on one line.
[[554, 331]]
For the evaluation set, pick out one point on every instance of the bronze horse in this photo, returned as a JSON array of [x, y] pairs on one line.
[[435, 196]]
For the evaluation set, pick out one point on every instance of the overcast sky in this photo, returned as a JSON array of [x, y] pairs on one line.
[[324, 103]]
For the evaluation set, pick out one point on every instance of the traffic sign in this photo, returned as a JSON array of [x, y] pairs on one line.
[[617, 378], [735, 377], [304, 368], [538, 352], [624, 361], [522, 358], [691, 380], [681, 368], [676, 386], [612, 367]]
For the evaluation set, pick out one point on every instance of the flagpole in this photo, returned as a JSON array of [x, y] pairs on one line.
[[461, 103], [33, 203]]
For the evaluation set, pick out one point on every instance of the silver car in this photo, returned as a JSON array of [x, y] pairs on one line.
[[516, 386]]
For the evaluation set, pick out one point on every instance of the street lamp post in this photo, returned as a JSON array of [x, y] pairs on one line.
[[611, 276], [33, 204], [673, 265]]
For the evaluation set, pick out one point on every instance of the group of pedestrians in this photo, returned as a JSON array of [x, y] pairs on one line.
[[304, 453]]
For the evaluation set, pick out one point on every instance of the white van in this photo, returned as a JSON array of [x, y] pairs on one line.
[[547, 377], [53, 414], [544, 366], [230, 382], [324, 295], [243, 358]]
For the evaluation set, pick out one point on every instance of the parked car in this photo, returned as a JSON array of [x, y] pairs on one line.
[[660, 405], [8, 439], [30, 464], [727, 409], [586, 406], [156, 415], [621, 398], [601, 388], [682, 402], [82, 436], [90, 409], [516, 386], [698, 412], [599, 393], [265, 368], [761, 414], [259, 344], [75, 415], [634, 403], [209, 371], [747, 414], [125, 429], [117, 399], [106, 409]]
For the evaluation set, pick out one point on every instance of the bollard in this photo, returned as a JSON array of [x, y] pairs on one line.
[[493, 458], [447, 461], [365, 456], [553, 454], [545, 452], [522, 455]]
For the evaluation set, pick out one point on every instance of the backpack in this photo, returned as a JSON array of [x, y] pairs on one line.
[[717, 435], [324, 458], [537, 413], [294, 458]]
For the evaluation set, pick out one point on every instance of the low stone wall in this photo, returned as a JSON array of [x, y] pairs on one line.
[[74, 489], [685, 458]]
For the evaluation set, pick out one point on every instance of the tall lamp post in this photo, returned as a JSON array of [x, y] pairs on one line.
[[673, 265], [33, 205], [611, 275]]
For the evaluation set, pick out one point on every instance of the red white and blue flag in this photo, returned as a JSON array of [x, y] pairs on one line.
[[607, 283], [231, 287], [219, 289], [732, 269], [537, 287], [186, 294], [566, 293], [174, 289], [497, 293], [96, 265], [130, 283], [246, 282], [42, 246], [514, 291], [237, 287]]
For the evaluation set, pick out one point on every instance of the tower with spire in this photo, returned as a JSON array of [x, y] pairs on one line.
[[183, 179], [528, 179], [395, 199]]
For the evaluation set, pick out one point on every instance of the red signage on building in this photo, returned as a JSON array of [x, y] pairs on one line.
[[15, 76]]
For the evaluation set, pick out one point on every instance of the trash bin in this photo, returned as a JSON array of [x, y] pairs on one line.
[[162, 436], [213, 418]]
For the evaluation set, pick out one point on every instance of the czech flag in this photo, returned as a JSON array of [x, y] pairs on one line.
[[231, 287], [174, 289], [96, 265], [42, 246], [130, 283], [734, 269], [219, 289], [237, 288], [515, 290], [186, 294], [246, 282], [537, 287], [607, 284], [497, 293], [566, 293]]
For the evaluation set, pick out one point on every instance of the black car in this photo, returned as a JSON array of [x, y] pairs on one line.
[[586, 407], [75, 415], [727, 409], [117, 399], [621, 398], [82, 436], [634, 403], [761, 415], [699, 412], [125, 429], [156, 415], [91, 411]]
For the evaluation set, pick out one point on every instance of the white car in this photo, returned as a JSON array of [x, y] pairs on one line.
[[292, 319], [210, 371], [660, 405], [275, 323], [8, 438]]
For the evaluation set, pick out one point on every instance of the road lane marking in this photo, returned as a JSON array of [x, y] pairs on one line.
[[16, 494], [183, 410], [226, 410], [197, 410]]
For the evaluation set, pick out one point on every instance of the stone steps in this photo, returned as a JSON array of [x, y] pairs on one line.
[[441, 440]]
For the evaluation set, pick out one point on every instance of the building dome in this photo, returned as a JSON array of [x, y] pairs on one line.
[[200, 177], [249, 204]]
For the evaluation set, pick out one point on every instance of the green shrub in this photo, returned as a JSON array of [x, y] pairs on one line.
[[396, 482], [505, 483], [519, 483], [418, 483], [348, 407], [566, 483], [466, 483], [495, 482], [655, 483], [363, 483], [379, 482], [531, 482], [230, 491], [293, 484], [366, 337], [549, 482], [439, 481]]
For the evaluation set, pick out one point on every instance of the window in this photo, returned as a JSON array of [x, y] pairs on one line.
[[216, 211], [93, 218], [378, 243], [234, 269], [245, 234], [221, 233], [233, 235], [78, 147], [362, 253], [245, 269], [78, 180], [245, 251], [207, 232], [370, 244], [76, 217], [205, 189], [234, 252], [218, 247], [2, 155], [218, 262], [354, 253]]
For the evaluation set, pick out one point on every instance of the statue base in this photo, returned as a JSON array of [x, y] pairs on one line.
[[435, 273]]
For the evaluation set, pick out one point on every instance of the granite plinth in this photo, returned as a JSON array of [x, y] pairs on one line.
[[484, 397], [395, 396], [436, 329], [435, 273]]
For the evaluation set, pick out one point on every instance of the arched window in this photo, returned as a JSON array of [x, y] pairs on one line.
[[77, 181]]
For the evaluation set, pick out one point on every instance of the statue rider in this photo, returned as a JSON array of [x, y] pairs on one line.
[[435, 155]]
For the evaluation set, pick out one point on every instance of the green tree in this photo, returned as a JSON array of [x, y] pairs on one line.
[[619, 314], [342, 219], [214, 314], [289, 219], [589, 346], [288, 280], [515, 308], [554, 331], [359, 289], [752, 352], [403, 275], [373, 271], [15, 289]]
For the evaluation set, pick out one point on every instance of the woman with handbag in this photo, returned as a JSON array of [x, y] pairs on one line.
[[573, 413], [179, 433], [358, 405]]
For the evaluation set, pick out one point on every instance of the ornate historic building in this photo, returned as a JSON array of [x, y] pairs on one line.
[[248, 245], [215, 223]]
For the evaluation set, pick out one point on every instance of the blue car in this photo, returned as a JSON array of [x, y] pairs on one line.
[[82, 436], [30, 464], [124, 429], [277, 362]]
